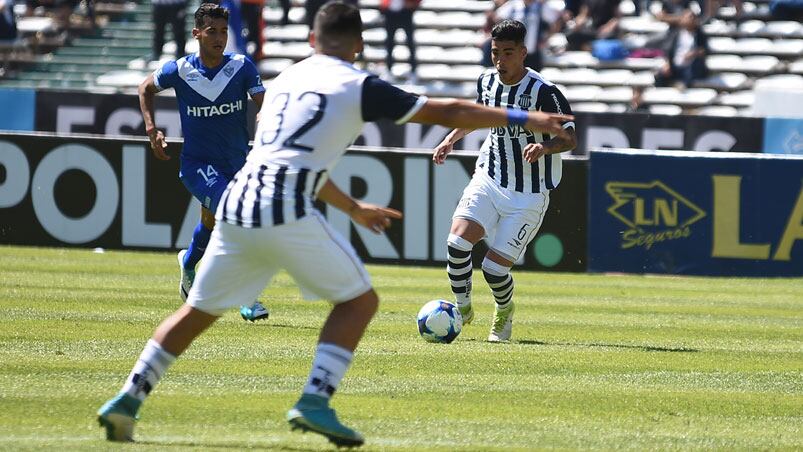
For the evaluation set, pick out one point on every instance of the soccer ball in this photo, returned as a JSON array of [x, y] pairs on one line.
[[439, 321]]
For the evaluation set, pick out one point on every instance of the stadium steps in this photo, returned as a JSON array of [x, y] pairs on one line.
[[144, 28], [126, 52], [125, 36]]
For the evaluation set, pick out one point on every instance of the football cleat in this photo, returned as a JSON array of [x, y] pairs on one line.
[[118, 416], [467, 311], [187, 277], [254, 312], [312, 414], [502, 327]]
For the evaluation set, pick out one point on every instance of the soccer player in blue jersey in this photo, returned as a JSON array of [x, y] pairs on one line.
[[212, 89], [267, 220]]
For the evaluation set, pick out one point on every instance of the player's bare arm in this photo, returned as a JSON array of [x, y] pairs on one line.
[[147, 91], [373, 217], [447, 145], [469, 115], [534, 151], [258, 98]]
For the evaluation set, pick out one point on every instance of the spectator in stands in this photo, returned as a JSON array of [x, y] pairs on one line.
[[490, 21], [636, 104], [311, 7], [711, 7], [787, 9], [541, 21], [285, 4], [399, 14], [61, 9], [686, 55], [8, 23], [251, 11], [598, 19], [173, 12], [672, 10]]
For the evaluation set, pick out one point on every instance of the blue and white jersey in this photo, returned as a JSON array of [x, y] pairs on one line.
[[212, 104], [315, 110], [501, 153]]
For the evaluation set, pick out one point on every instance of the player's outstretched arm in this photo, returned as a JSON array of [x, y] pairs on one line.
[[147, 91], [469, 115], [373, 217]]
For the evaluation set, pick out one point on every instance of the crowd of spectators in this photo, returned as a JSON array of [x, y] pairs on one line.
[[8, 23], [590, 25], [587, 25], [60, 10]]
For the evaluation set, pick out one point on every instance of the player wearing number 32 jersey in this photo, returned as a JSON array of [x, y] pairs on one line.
[[267, 222]]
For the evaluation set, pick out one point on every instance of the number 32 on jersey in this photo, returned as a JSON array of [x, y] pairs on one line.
[[286, 118]]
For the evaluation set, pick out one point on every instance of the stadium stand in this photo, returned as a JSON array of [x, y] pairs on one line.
[[742, 50]]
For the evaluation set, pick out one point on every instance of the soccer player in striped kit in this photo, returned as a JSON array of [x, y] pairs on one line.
[[267, 221], [509, 193], [212, 89]]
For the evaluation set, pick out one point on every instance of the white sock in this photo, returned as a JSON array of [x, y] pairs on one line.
[[330, 364], [151, 365]]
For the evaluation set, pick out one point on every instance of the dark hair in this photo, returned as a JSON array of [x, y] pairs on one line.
[[211, 11], [509, 30], [337, 22]]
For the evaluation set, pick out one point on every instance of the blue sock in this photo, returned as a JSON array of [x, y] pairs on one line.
[[200, 238]]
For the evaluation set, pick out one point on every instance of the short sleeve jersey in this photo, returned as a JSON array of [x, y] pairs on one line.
[[315, 110], [212, 104], [501, 152]]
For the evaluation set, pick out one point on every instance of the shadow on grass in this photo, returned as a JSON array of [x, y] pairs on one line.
[[283, 325], [227, 445], [646, 348]]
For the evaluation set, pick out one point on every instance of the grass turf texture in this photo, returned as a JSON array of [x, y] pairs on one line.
[[608, 362]]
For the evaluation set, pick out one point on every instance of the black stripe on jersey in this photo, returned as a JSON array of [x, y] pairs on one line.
[[301, 187], [530, 139], [500, 141], [315, 188], [491, 162], [548, 171], [278, 194], [535, 182], [530, 84], [225, 200], [256, 212], [518, 165], [488, 87], [238, 213]]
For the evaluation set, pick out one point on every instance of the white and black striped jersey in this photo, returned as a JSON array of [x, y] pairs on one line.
[[501, 153], [312, 112]]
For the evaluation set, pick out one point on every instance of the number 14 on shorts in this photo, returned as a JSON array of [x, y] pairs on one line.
[[210, 176]]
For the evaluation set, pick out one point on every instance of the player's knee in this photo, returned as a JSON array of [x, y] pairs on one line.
[[493, 271], [456, 243], [207, 218], [366, 304]]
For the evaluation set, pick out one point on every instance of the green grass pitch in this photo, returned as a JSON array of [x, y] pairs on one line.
[[597, 362]]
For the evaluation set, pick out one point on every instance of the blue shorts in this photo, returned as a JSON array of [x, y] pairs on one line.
[[207, 181]]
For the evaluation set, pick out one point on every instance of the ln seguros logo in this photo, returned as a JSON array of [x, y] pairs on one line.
[[652, 211]]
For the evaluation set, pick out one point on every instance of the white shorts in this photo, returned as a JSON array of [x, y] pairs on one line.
[[510, 219], [239, 262]]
